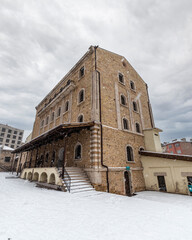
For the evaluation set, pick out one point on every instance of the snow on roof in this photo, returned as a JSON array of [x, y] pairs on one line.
[[6, 148]]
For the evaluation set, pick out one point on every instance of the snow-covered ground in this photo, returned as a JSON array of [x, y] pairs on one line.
[[28, 213]]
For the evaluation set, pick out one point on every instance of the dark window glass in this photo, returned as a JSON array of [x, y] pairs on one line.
[[9, 131], [18, 142], [7, 159], [15, 132], [123, 100], [47, 120], [125, 123], [20, 133], [78, 152], [7, 140], [80, 118], [81, 96], [13, 141], [8, 135], [135, 106], [14, 137], [137, 126], [66, 106], [121, 79], [1, 139], [12, 146], [58, 112], [2, 134], [20, 138], [47, 157], [3, 129], [129, 154], [52, 116], [81, 72]]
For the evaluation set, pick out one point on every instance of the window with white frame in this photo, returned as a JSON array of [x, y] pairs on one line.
[[80, 118], [135, 106], [137, 127], [121, 78], [66, 106]]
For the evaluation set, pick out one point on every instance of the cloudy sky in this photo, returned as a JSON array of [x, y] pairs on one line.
[[40, 40]]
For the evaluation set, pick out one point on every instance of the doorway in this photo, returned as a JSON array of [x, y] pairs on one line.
[[161, 182], [128, 187], [60, 158]]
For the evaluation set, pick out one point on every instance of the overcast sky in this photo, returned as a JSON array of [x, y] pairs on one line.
[[40, 40]]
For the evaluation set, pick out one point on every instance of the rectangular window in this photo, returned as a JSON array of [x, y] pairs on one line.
[[8, 135], [121, 78], [177, 144], [58, 112], [15, 132], [7, 140], [7, 159], [20, 133], [1, 139], [13, 141], [170, 146], [47, 120], [18, 142], [14, 137], [178, 151], [9, 131], [2, 134], [12, 146], [3, 129]]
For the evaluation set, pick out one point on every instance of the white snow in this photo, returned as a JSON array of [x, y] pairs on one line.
[[28, 213], [6, 148]]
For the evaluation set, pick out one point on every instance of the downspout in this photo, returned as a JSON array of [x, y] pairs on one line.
[[100, 118]]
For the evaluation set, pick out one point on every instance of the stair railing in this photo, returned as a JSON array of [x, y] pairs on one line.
[[67, 180]]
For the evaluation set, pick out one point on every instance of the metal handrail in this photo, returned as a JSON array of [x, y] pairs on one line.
[[67, 180]]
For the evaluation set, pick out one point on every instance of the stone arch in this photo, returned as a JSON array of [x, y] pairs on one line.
[[25, 175], [43, 177], [52, 178], [29, 176], [36, 176]]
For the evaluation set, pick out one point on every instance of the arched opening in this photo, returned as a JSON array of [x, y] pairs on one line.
[[60, 157], [81, 96], [128, 187], [78, 152], [29, 176], [25, 175], [123, 100], [52, 178], [125, 124], [135, 106], [36, 177], [43, 177], [80, 118], [137, 126], [129, 154]]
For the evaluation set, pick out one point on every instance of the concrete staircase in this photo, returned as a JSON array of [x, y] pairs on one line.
[[80, 183]]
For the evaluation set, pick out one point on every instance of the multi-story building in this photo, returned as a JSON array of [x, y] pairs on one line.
[[179, 147], [5, 158], [10, 136], [94, 119]]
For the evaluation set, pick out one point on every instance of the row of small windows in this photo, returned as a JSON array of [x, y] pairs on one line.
[[9, 136], [3, 130], [121, 80], [124, 102], [126, 125]]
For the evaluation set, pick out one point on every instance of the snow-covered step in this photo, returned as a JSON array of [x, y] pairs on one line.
[[83, 190]]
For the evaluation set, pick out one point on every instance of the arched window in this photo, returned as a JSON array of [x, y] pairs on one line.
[[125, 124], [123, 100], [137, 127], [78, 151], [80, 118], [135, 106], [129, 151], [132, 85], [141, 149], [47, 157], [66, 106], [81, 96]]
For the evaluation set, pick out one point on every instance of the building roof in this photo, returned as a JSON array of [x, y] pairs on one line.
[[6, 148], [55, 133], [167, 155]]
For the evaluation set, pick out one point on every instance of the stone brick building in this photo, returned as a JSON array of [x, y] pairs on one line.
[[5, 158], [94, 119]]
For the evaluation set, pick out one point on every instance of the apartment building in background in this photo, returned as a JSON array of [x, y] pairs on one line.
[[179, 147], [10, 136]]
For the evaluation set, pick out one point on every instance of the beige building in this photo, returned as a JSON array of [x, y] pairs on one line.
[[92, 123], [5, 158], [10, 136]]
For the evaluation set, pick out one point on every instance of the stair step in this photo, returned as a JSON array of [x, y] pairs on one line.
[[81, 187], [83, 190], [80, 183]]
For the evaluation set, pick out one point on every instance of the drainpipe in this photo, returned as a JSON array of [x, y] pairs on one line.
[[100, 116]]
